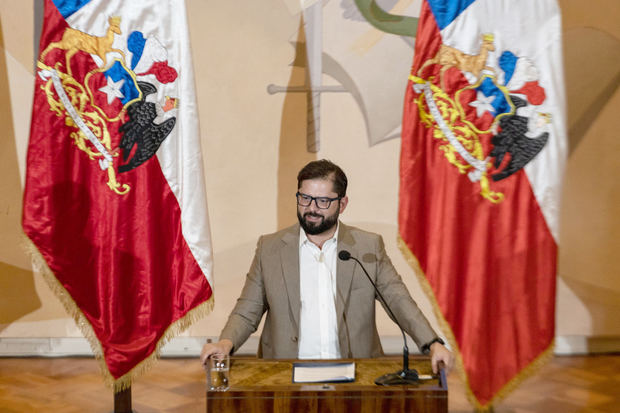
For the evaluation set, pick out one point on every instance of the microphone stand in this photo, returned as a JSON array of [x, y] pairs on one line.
[[406, 375]]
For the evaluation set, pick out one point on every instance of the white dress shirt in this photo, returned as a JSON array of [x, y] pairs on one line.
[[318, 329]]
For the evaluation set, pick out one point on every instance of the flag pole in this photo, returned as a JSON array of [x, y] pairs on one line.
[[122, 401]]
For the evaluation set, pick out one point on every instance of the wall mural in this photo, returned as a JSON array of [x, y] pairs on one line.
[[366, 50]]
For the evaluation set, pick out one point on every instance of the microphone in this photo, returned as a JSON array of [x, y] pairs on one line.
[[404, 376]]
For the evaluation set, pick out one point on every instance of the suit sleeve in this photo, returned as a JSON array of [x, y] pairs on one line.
[[251, 305], [398, 298]]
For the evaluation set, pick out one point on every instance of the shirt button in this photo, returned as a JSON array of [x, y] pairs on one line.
[[294, 339]]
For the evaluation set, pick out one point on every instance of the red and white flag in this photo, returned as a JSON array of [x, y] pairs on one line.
[[483, 152], [115, 198]]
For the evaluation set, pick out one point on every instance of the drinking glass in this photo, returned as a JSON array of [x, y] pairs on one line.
[[218, 367]]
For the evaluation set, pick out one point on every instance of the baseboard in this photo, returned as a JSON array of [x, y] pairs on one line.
[[575, 345], [190, 346], [79, 347]]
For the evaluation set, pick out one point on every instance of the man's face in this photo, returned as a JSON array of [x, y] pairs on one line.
[[313, 219]]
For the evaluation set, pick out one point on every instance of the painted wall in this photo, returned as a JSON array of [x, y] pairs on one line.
[[254, 142]]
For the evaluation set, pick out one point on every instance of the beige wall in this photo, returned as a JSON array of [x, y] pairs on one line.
[[254, 143]]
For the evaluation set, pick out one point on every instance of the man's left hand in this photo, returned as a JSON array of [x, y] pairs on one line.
[[440, 353]]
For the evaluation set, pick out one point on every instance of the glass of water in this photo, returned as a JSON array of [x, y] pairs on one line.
[[218, 367]]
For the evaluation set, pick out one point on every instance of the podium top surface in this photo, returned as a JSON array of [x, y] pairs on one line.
[[260, 375]]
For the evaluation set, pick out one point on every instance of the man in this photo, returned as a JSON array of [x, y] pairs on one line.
[[318, 306]]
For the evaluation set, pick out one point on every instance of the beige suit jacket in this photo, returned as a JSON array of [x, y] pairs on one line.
[[272, 286]]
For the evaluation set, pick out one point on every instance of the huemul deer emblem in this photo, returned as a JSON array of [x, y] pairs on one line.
[[448, 57], [74, 40]]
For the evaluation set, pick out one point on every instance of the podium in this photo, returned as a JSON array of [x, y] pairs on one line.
[[258, 385]]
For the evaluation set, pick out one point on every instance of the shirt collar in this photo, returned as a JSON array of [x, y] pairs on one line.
[[303, 238]]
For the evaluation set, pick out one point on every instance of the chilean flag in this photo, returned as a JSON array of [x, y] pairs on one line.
[[483, 152], [115, 201]]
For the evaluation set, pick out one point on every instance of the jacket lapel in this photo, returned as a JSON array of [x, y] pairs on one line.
[[289, 256], [344, 269], [344, 277]]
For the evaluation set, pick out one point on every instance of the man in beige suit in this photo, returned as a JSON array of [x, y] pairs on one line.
[[318, 306]]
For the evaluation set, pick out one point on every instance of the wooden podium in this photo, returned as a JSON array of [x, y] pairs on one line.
[[261, 386]]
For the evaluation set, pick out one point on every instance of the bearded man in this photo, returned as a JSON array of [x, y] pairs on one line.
[[319, 307]]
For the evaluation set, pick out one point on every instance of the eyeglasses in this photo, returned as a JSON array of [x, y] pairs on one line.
[[322, 202]]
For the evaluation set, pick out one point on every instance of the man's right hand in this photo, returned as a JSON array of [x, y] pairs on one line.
[[221, 347]]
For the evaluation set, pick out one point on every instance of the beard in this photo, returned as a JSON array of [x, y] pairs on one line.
[[315, 228]]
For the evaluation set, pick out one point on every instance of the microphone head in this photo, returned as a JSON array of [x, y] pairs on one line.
[[344, 255]]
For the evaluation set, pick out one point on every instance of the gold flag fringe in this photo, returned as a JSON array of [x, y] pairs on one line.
[[525, 373], [123, 382]]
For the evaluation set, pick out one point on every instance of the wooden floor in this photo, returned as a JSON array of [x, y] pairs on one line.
[[565, 385]]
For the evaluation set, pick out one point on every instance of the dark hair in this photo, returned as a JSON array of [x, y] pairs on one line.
[[324, 169]]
